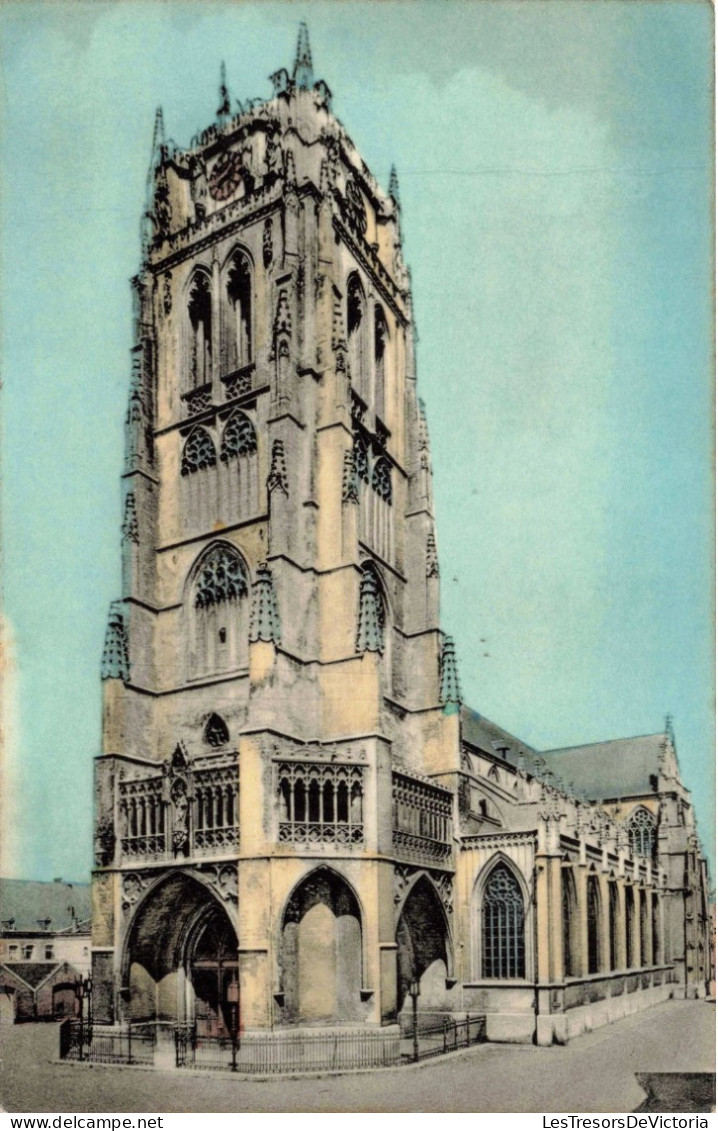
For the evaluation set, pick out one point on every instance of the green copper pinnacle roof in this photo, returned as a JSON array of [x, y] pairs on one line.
[[115, 660]]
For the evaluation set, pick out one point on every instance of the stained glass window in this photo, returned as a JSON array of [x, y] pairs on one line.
[[502, 919]]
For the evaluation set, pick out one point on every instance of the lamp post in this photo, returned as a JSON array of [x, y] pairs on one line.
[[233, 1002], [83, 989], [414, 992]]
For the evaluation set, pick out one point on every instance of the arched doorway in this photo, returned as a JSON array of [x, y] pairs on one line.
[[422, 947], [321, 951], [180, 956], [212, 970]]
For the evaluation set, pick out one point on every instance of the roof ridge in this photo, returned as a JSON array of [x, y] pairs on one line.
[[603, 742]]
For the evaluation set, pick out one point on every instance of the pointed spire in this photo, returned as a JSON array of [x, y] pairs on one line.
[[303, 74], [224, 108], [394, 187], [370, 636], [158, 141], [265, 612], [115, 661], [449, 691], [668, 728]]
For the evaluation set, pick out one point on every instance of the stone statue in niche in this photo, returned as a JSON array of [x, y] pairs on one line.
[[180, 823], [104, 841]]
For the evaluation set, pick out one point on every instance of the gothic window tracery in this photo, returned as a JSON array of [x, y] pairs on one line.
[[502, 922], [642, 833], [361, 460], [219, 613], [198, 452], [381, 479], [199, 311], [216, 732], [239, 439]]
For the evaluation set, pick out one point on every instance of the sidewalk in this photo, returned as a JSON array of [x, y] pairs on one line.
[[595, 1073]]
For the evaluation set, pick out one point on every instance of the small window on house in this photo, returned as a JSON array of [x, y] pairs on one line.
[[49, 952], [13, 950], [27, 952]]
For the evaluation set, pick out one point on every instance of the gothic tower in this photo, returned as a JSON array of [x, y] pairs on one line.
[[275, 793]]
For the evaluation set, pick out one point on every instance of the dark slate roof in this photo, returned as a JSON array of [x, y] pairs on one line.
[[620, 768], [481, 732], [27, 901], [32, 973]]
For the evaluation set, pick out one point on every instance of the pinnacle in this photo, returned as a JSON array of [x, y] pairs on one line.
[[224, 107], [394, 185], [303, 72]]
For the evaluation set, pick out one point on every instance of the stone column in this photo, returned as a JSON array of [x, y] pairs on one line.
[[636, 927], [621, 959], [649, 926]]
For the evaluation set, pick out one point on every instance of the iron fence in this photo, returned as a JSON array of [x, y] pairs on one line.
[[104, 1045], [287, 1052], [441, 1036]]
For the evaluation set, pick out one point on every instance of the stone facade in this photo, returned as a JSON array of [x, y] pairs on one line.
[[294, 813]]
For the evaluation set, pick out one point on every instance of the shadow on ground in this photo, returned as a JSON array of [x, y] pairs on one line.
[[677, 1091]]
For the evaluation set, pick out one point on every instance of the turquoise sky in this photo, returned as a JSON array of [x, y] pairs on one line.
[[555, 165]]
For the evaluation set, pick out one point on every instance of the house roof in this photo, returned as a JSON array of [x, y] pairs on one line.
[[620, 768], [479, 731], [32, 973], [30, 902]]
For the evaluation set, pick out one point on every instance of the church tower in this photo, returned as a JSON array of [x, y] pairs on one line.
[[276, 789]]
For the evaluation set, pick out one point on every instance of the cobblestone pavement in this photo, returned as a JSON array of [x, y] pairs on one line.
[[595, 1073]]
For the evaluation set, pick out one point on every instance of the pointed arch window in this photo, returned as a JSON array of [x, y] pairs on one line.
[[199, 311], [613, 923], [567, 908], [219, 613], [198, 452], [239, 439], [593, 908], [216, 732], [237, 320], [381, 334], [356, 332], [642, 833], [502, 926]]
